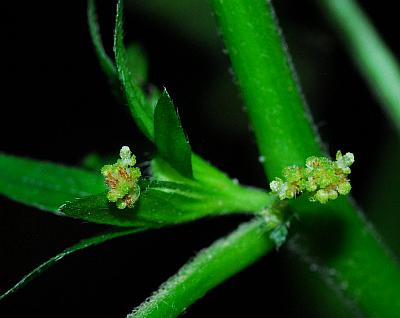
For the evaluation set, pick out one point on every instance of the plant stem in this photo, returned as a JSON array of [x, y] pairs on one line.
[[368, 51], [213, 265], [285, 137], [282, 128]]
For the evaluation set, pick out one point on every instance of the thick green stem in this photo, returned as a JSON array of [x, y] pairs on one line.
[[209, 268], [285, 137], [368, 51], [282, 127]]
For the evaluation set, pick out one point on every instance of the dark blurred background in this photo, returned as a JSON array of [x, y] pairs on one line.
[[57, 106]]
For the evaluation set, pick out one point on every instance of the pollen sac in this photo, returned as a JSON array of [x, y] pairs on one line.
[[322, 178], [121, 179], [344, 162]]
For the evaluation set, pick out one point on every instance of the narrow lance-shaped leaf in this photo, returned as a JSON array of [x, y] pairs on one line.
[[107, 65], [130, 64], [134, 202], [95, 240], [165, 203], [137, 102], [169, 137], [45, 185], [136, 62]]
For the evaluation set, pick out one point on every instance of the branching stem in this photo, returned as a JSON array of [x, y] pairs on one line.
[[285, 137]]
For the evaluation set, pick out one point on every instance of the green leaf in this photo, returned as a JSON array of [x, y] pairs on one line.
[[45, 185], [106, 64], [95, 240], [137, 102], [205, 175], [137, 63], [159, 203], [169, 137], [203, 172], [166, 203]]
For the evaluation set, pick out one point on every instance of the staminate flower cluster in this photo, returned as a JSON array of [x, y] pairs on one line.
[[323, 178], [121, 179]]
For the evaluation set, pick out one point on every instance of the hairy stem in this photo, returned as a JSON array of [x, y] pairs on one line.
[[275, 106], [285, 137], [209, 268], [368, 51]]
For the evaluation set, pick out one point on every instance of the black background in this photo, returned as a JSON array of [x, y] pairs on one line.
[[57, 106]]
